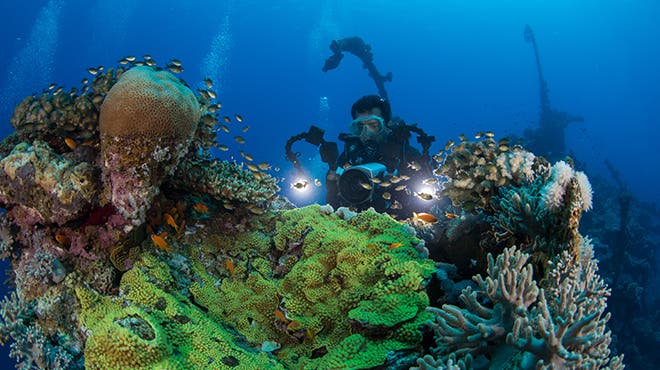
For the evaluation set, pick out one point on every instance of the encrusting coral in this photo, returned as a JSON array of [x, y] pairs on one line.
[[45, 186], [154, 326]]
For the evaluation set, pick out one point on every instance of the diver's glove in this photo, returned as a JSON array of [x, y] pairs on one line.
[[329, 153]]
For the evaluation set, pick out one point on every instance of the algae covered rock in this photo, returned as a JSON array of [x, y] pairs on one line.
[[45, 186]]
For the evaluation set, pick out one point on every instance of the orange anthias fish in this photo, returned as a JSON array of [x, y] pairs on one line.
[[294, 325], [70, 143], [62, 239], [160, 242], [230, 266], [201, 208], [170, 221], [426, 217], [450, 215], [395, 245], [279, 314]]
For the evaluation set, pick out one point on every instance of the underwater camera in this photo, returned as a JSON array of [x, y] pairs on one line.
[[356, 184]]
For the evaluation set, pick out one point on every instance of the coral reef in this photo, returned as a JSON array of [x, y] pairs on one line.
[[132, 248], [44, 186], [146, 123], [61, 228], [509, 197], [561, 326], [351, 290], [542, 303]]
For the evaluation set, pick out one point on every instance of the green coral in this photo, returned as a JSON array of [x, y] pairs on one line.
[[355, 289], [153, 326]]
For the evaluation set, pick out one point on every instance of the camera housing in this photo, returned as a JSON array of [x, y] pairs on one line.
[[356, 184]]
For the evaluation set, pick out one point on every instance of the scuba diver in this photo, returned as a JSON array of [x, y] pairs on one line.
[[378, 167], [376, 161]]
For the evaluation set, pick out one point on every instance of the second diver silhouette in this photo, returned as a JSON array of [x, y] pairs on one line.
[[356, 46], [548, 139]]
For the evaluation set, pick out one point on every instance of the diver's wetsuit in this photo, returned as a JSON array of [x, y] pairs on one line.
[[396, 155]]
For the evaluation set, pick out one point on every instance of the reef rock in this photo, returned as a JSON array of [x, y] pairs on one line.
[[147, 122]]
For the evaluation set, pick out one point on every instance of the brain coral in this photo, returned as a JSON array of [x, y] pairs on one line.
[[147, 122], [149, 102]]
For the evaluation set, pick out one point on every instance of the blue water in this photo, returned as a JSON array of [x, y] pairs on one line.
[[459, 67]]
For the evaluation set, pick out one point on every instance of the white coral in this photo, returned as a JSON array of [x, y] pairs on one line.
[[585, 190], [562, 173], [552, 194], [517, 165]]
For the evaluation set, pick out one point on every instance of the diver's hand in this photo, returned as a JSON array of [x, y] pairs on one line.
[[331, 176], [329, 152]]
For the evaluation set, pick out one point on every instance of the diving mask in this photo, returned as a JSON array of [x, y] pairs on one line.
[[368, 126]]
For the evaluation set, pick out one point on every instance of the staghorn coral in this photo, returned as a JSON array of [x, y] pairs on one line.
[[562, 326], [147, 123], [48, 187]]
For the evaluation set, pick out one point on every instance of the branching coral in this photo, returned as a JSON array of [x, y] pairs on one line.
[[474, 171], [561, 327]]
